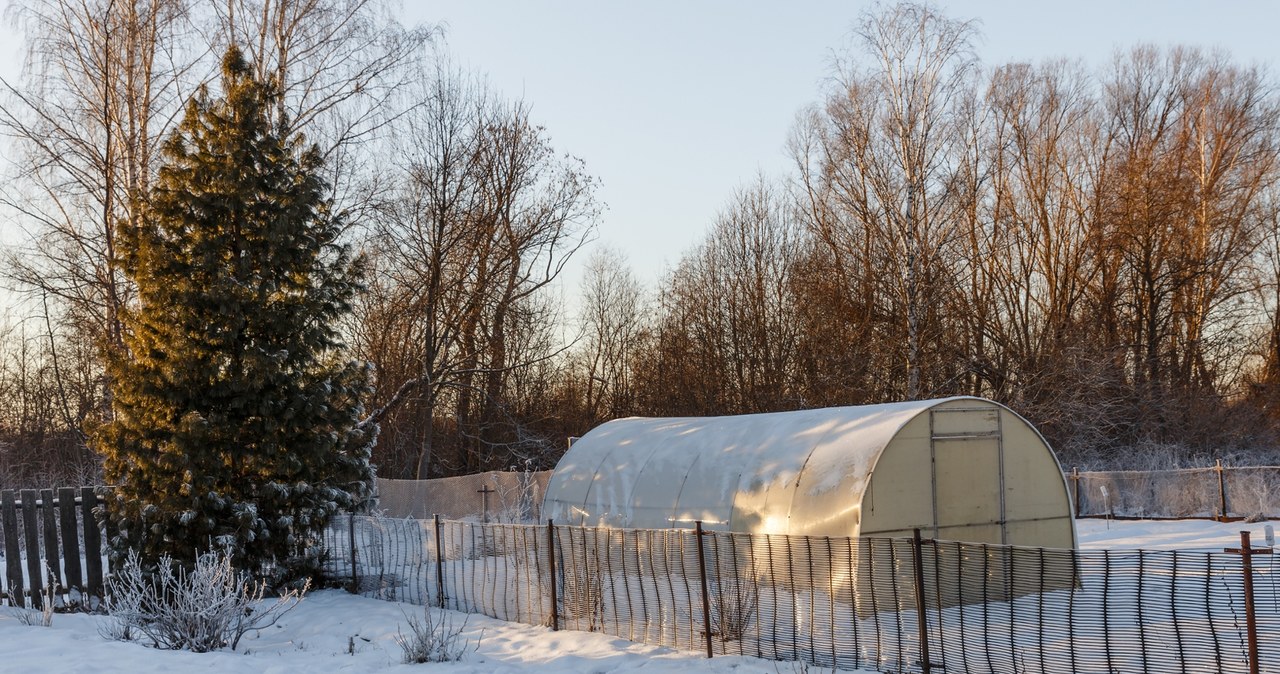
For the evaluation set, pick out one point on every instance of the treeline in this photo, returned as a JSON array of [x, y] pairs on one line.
[[1099, 249]]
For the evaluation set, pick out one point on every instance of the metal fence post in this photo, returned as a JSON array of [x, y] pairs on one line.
[[1246, 552], [355, 576], [706, 595], [921, 618], [1222, 491], [551, 564], [439, 562], [1075, 484]]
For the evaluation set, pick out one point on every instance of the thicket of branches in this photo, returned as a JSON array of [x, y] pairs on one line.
[[1099, 248]]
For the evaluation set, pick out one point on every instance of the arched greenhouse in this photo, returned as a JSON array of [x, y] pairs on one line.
[[958, 468]]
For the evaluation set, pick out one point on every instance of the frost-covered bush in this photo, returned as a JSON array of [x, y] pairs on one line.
[[517, 502], [433, 639], [1253, 492], [204, 608], [733, 607]]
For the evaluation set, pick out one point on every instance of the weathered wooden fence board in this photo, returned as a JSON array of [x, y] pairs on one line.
[[50, 542], [53, 572], [92, 540], [70, 540], [31, 537], [12, 551]]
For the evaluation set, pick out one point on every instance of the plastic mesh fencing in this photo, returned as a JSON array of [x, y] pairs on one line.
[[831, 602], [499, 496], [1196, 492], [1000, 609]]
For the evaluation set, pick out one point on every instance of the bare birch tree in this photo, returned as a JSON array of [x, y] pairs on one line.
[[344, 68], [881, 155], [102, 83]]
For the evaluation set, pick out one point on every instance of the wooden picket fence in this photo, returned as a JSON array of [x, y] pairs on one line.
[[51, 534]]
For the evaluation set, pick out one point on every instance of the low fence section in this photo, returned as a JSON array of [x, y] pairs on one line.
[[52, 545], [895, 605]]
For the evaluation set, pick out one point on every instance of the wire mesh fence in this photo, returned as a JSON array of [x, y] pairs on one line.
[[498, 496], [831, 602], [1219, 491]]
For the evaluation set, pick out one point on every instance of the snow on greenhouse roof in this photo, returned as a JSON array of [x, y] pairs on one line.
[[733, 472]]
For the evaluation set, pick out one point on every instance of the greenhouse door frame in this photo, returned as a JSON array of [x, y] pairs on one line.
[[965, 431]]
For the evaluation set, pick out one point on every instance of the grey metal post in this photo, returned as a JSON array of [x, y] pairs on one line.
[[355, 575], [484, 503], [921, 618], [551, 564], [1222, 491], [706, 594], [439, 562]]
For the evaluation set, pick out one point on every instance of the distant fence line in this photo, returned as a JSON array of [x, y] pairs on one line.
[[501, 496], [887, 604], [1216, 492]]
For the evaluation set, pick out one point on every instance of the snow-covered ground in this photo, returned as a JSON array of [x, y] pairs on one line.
[[1202, 535], [321, 634]]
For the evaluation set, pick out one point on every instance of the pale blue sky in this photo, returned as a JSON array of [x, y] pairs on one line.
[[674, 104]]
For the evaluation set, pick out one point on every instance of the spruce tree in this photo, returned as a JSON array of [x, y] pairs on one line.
[[235, 419]]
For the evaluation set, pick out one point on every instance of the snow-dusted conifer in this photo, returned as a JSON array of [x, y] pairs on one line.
[[235, 419]]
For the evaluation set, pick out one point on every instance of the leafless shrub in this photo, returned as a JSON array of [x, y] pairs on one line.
[[434, 639], [41, 615], [733, 607], [124, 604], [200, 609]]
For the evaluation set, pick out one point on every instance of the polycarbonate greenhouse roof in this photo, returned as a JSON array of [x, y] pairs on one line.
[[659, 473]]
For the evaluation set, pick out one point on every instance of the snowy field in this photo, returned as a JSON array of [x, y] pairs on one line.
[[332, 631], [318, 635], [1201, 535]]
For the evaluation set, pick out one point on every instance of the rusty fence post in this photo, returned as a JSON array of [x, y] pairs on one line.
[[706, 594], [922, 620], [1246, 552], [439, 561], [1075, 489], [551, 565]]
